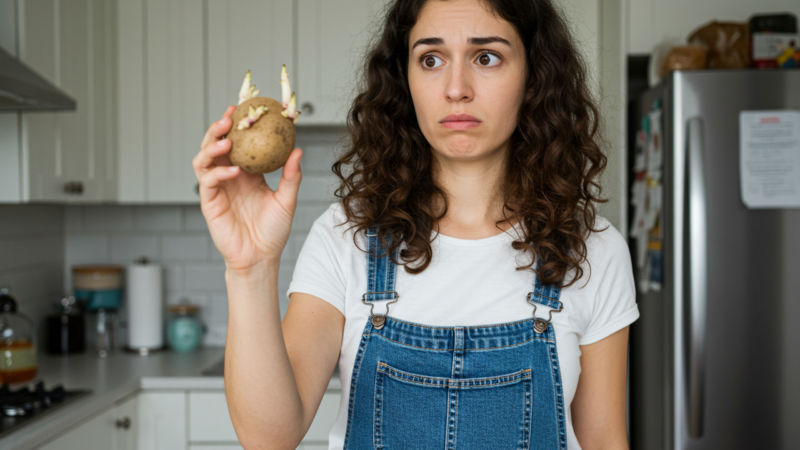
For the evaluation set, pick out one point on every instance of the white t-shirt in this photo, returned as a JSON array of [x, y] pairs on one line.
[[468, 283]]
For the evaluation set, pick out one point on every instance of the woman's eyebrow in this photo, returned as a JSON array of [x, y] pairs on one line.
[[471, 41]]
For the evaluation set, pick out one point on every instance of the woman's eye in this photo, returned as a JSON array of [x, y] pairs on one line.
[[429, 61], [486, 58]]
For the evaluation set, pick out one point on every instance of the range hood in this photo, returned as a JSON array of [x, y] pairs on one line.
[[22, 89]]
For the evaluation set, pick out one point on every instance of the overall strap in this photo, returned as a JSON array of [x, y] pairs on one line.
[[381, 276], [547, 295]]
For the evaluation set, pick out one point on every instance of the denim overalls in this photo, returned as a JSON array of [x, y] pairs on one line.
[[416, 386]]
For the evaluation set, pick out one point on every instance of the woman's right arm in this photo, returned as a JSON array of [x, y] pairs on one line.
[[273, 371]]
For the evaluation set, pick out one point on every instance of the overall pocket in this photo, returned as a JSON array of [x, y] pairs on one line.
[[419, 411]]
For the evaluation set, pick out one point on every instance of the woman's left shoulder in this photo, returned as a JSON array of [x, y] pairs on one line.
[[606, 244], [608, 288]]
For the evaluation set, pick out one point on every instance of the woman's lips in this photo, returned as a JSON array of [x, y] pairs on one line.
[[460, 121], [460, 124]]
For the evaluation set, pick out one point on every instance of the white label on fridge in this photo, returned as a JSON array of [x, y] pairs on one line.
[[769, 158]]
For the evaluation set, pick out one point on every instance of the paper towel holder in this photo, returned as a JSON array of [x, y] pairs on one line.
[[144, 351]]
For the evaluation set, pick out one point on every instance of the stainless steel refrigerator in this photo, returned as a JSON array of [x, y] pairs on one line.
[[715, 357]]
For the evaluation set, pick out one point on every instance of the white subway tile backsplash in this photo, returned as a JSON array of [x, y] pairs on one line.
[[107, 218], [29, 250], [127, 249], [32, 219], [157, 218], [92, 248], [218, 307], [306, 213], [293, 246], [73, 218], [173, 276], [215, 254], [36, 283], [204, 276], [317, 157], [317, 188], [185, 248], [32, 264], [193, 219], [194, 297]]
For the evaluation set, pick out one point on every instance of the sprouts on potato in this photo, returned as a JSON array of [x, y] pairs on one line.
[[262, 139]]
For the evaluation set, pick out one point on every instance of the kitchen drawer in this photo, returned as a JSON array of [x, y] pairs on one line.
[[209, 420], [216, 447], [326, 416]]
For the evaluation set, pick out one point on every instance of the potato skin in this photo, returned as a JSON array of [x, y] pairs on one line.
[[265, 146]]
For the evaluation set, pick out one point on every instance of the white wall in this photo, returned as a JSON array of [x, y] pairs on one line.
[[651, 21]]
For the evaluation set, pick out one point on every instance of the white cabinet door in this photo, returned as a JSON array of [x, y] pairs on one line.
[[161, 420], [130, 100], [331, 42], [42, 165], [96, 433], [175, 98], [326, 416], [209, 419], [67, 44], [160, 98], [255, 35], [126, 424]]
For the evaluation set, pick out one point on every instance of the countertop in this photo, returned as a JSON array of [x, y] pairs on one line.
[[111, 379]]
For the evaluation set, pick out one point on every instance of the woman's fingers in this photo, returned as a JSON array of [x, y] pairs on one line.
[[219, 128], [210, 181], [211, 153], [291, 176]]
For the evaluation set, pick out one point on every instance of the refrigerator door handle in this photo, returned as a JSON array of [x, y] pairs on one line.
[[696, 277]]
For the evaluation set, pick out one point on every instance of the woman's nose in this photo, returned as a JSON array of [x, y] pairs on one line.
[[459, 83]]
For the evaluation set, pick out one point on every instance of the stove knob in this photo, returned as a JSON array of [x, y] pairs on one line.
[[124, 423]]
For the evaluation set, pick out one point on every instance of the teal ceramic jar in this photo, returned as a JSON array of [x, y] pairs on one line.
[[185, 332]]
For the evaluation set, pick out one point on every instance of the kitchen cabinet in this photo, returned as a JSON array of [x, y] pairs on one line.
[[161, 97], [162, 420], [114, 429], [331, 41], [210, 423], [244, 35], [180, 65], [62, 156]]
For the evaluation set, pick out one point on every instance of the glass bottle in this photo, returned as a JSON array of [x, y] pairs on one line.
[[17, 342]]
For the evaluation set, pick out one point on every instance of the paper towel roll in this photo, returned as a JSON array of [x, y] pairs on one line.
[[145, 307]]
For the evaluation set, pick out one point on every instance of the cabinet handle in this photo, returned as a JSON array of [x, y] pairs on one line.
[[124, 423], [73, 187], [197, 188], [307, 108]]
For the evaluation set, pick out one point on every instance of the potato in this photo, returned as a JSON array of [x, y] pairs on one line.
[[265, 145]]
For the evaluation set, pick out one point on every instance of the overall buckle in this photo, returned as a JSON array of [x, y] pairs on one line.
[[540, 325], [378, 320]]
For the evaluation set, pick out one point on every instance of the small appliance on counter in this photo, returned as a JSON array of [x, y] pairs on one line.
[[99, 287], [66, 329], [20, 405], [145, 307], [17, 342]]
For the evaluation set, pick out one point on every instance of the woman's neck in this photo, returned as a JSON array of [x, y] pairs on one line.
[[474, 196]]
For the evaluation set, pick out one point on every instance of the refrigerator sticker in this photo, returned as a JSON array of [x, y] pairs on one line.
[[769, 158]]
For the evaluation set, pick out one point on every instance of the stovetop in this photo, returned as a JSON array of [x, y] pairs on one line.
[[20, 405]]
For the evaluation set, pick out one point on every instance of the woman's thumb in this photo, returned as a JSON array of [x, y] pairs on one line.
[[290, 178]]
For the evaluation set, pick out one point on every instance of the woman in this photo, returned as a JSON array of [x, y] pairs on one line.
[[464, 283]]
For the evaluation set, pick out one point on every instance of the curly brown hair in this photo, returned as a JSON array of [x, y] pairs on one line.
[[386, 170]]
